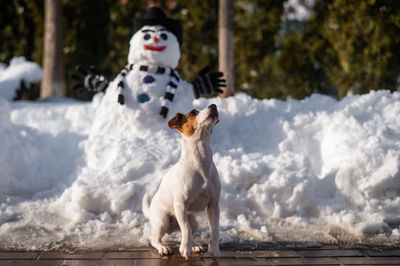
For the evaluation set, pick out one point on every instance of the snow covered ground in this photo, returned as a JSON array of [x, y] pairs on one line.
[[317, 170], [12, 74]]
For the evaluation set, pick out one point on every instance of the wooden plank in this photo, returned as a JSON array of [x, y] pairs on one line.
[[383, 253], [71, 256], [370, 261], [168, 262], [98, 263], [305, 261], [234, 261], [330, 253], [131, 255], [20, 262], [18, 255]]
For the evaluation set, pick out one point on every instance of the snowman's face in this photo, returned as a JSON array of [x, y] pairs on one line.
[[154, 45]]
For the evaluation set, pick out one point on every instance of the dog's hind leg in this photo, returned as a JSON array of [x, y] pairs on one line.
[[158, 229]]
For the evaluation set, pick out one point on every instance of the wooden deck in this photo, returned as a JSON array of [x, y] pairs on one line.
[[235, 254]]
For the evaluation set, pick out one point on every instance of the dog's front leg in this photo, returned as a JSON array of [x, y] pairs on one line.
[[182, 218], [213, 222]]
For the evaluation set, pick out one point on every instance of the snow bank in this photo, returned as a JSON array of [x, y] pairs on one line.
[[18, 70], [311, 170]]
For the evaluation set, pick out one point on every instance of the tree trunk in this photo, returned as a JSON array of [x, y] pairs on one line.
[[53, 83], [225, 45]]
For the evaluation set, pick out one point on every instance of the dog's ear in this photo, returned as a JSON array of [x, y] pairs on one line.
[[176, 122]]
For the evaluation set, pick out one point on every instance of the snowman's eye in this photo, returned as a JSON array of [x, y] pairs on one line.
[[164, 36], [147, 36]]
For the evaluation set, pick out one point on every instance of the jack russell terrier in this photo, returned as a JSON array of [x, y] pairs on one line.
[[190, 186]]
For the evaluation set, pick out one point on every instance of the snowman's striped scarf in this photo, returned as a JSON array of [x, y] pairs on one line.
[[170, 89]]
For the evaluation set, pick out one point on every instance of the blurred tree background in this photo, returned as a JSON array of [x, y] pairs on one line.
[[341, 47]]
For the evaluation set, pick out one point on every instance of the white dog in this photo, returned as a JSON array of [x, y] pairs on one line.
[[190, 186]]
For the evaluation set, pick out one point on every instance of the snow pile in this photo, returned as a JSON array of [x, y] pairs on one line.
[[311, 170], [18, 70], [36, 157]]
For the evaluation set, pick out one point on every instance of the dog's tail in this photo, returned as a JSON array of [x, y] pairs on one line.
[[146, 206]]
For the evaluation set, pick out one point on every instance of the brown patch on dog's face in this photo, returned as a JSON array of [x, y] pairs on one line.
[[186, 124]]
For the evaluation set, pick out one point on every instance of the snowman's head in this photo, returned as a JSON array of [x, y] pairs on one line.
[[154, 45], [156, 39]]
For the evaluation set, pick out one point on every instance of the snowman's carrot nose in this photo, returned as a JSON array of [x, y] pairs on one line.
[[155, 39]]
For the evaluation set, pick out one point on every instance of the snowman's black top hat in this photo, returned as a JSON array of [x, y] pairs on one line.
[[155, 16]]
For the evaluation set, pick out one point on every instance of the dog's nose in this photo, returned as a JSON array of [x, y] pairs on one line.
[[212, 106]]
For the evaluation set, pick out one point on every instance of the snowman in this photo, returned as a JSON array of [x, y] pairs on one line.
[[150, 86], [129, 143]]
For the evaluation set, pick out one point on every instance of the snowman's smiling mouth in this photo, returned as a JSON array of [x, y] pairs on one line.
[[154, 48]]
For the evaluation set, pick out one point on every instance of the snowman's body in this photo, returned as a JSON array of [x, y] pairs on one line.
[[154, 54], [149, 87], [142, 104]]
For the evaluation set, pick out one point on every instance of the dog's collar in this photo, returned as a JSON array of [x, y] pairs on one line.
[[154, 69]]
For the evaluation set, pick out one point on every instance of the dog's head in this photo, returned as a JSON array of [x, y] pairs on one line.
[[195, 121]]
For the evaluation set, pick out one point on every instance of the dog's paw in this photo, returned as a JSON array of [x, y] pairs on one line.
[[185, 252], [197, 249], [213, 250], [164, 250]]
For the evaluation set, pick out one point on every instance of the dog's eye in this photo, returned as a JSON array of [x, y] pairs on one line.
[[193, 112]]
